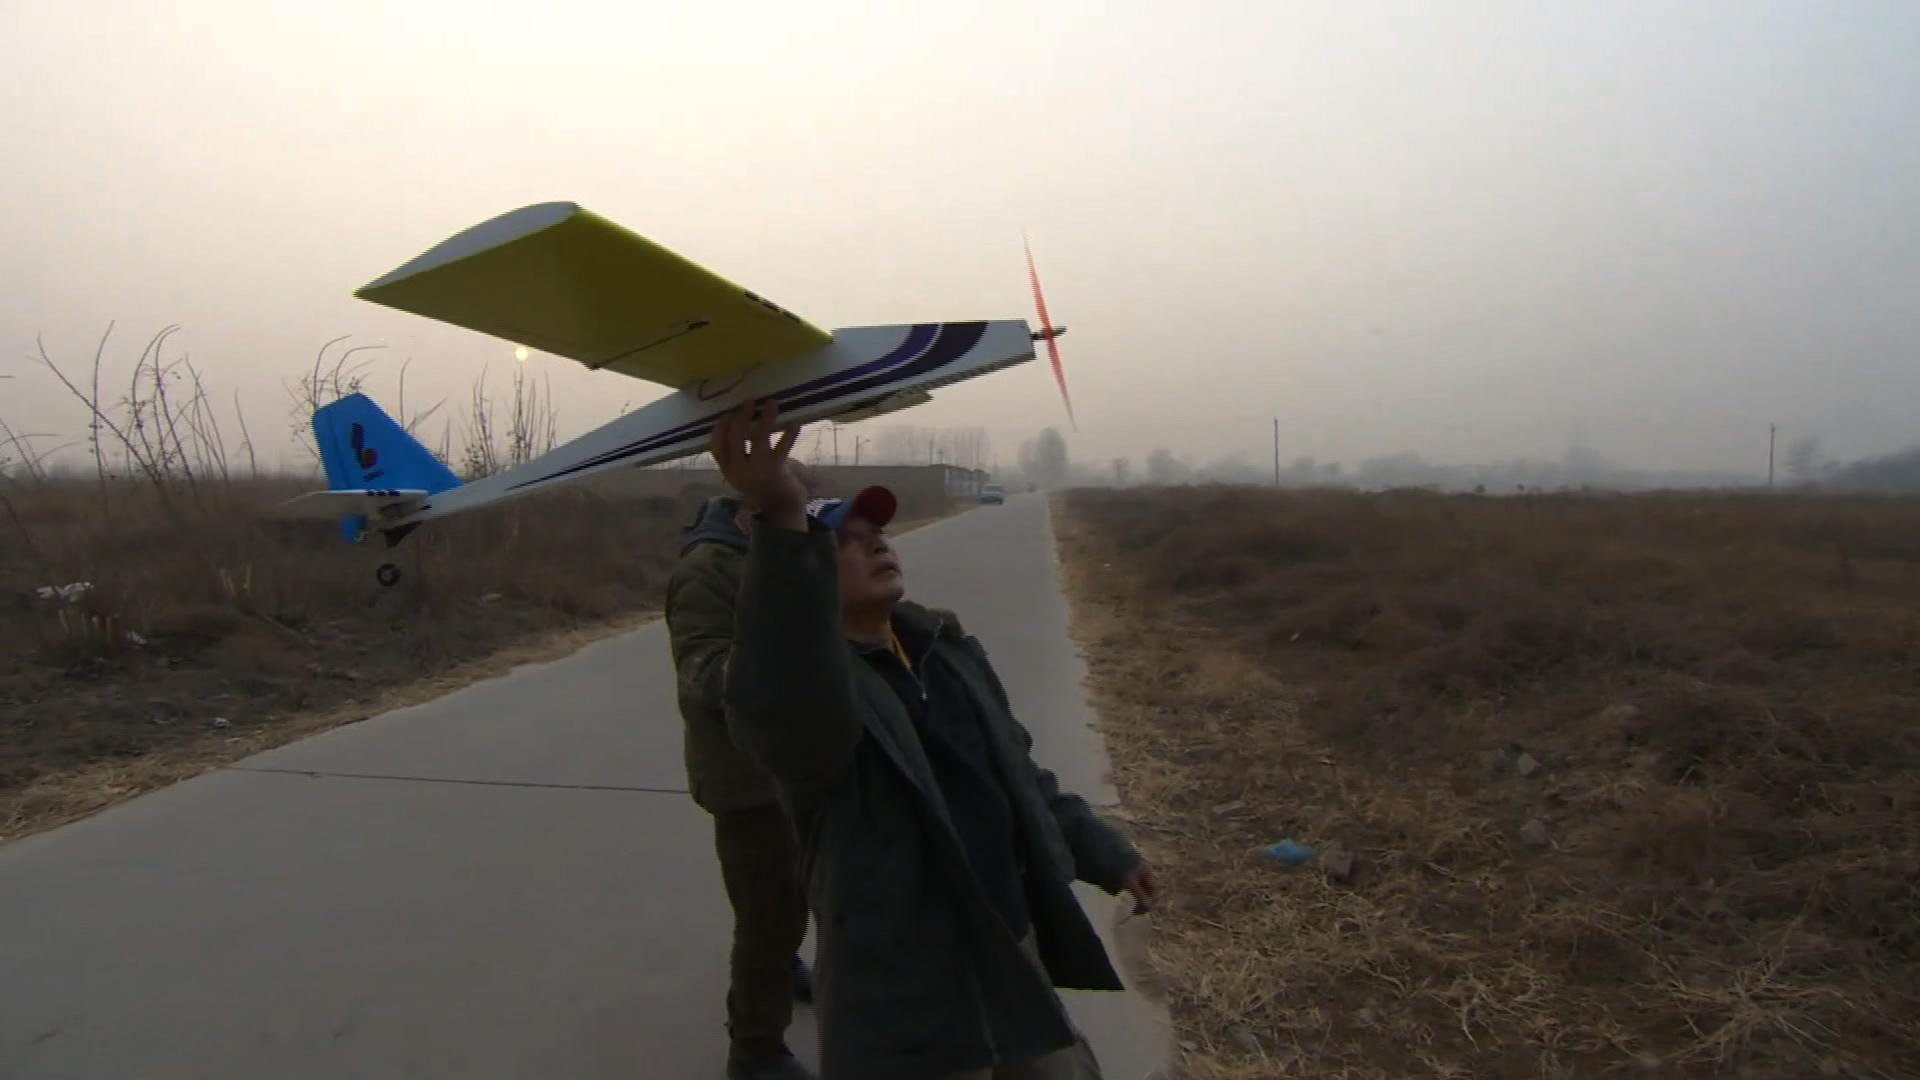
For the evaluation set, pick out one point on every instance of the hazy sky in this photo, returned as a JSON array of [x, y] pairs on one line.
[[1471, 229]]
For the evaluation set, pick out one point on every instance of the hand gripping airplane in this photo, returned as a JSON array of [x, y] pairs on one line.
[[561, 279]]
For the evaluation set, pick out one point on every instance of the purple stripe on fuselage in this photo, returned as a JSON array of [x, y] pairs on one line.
[[918, 340]]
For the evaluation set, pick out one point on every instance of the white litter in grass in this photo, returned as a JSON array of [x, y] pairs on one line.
[[66, 593]]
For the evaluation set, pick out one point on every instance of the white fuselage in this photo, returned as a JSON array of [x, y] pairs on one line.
[[865, 371]]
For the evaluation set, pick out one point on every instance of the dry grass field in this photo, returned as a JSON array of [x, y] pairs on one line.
[[210, 631], [1597, 786]]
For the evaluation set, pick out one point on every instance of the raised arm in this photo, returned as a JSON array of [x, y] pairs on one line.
[[789, 679], [789, 683]]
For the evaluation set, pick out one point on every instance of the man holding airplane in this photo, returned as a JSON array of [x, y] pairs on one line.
[[940, 857], [754, 842]]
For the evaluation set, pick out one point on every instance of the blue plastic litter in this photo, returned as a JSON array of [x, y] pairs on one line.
[[1289, 853]]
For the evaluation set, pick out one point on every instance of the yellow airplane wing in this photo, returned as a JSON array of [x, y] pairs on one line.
[[564, 280]]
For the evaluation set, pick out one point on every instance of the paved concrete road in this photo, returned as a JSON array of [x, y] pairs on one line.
[[507, 882]]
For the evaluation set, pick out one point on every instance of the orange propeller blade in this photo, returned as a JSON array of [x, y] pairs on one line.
[[1046, 328]]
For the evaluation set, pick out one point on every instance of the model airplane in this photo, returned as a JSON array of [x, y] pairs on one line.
[[561, 279]]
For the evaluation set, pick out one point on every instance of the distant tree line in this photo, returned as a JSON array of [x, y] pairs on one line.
[[1044, 462]]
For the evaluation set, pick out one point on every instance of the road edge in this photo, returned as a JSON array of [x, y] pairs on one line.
[[1130, 935]]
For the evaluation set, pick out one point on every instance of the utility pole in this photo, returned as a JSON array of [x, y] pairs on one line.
[[1770, 433], [1276, 452], [835, 428]]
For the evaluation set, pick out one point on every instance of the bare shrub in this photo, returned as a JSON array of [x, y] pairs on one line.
[[187, 603]]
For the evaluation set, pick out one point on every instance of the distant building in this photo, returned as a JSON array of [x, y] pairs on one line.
[[921, 488], [926, 481]]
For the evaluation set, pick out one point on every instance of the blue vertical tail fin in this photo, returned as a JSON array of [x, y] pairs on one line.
[[362, 447]]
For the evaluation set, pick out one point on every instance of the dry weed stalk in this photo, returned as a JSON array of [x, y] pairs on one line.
[[190, 605], [531, 427]]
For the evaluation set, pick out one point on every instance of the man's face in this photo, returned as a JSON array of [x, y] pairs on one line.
[[870, 572]]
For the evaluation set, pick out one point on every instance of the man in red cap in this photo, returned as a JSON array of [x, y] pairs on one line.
[[939, 857]]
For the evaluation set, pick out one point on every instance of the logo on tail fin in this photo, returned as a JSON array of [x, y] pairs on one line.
[[363, 455], [367, 456]]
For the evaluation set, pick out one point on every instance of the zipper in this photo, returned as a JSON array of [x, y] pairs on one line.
[[919, 682], [918, 676], [912, 676]]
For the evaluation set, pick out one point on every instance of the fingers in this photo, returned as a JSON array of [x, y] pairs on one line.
[[785, 446], [741, 435], [1142, 886], [764, 415], [809, 482], [724, 444]]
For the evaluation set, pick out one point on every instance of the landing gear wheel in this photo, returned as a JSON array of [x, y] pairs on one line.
[[388, 575]]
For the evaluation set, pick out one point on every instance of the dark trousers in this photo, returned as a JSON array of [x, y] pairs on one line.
[[760, 865]]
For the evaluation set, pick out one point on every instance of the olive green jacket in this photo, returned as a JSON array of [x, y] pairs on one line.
[[700, 600]]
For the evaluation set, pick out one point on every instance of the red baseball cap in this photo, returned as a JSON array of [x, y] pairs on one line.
[[875, 504]]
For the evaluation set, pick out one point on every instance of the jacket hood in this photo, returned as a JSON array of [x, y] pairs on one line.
[[714, 525]]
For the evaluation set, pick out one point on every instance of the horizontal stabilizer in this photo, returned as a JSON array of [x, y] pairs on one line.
[[374, 503]]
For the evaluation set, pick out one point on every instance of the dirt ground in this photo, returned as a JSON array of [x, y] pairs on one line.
[[1594, 786]]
